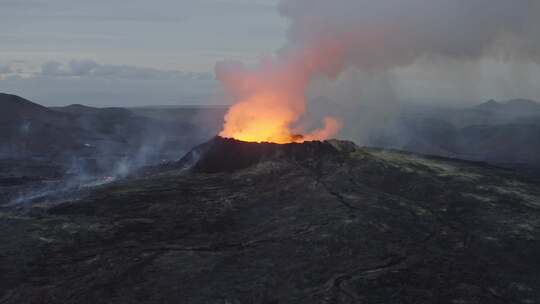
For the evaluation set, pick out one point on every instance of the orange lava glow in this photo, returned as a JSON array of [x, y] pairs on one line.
[[271, 99], [260, 118]]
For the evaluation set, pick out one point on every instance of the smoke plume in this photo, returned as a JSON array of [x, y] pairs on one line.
[[325, 38], [389, 33]]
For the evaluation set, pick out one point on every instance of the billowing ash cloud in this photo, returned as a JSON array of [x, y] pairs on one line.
[[390, 33]]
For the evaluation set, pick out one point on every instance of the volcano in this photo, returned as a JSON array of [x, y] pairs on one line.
[[317, 222], [229, 155]]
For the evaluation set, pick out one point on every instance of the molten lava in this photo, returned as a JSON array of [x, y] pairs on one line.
[[270, 100], [262, 117]]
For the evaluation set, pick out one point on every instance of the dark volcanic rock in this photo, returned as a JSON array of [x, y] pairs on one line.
[[260, 223], [229, 155]]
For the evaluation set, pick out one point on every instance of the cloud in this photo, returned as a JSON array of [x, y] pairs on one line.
[[92, 69], [20, 4], [95, 84], [5, 69], [161, 11], [390, 33]]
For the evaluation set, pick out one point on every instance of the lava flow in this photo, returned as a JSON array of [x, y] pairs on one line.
[[270, 100]]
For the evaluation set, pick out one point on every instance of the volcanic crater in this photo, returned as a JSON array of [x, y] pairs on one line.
[[228, 155]]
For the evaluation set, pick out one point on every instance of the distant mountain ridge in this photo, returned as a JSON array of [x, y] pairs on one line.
[[79, 109], [504, 133], [17, 108], [99, 135], [515, 106], [52, 149], [29, 128]]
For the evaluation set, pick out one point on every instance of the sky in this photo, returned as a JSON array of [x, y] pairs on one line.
[[163, 52]]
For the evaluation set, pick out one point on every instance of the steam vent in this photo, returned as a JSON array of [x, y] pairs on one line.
[[318, 222]]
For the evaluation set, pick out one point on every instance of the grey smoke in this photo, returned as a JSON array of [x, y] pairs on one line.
[[386, 37], [390, 33]]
